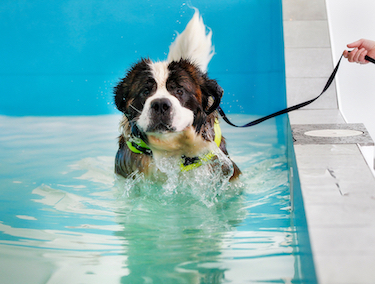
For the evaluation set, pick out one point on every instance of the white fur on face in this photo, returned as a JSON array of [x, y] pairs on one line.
[[181, 117]]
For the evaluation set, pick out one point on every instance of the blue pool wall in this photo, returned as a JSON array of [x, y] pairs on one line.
[[65, 57], [306, 259]]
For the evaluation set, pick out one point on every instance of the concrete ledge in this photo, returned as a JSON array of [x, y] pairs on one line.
[[339, 198], [338, 192], [337, 183]]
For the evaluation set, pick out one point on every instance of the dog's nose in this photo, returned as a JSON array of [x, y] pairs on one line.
[[161, 105]]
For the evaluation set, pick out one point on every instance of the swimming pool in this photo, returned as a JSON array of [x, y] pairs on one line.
[[66, 218]]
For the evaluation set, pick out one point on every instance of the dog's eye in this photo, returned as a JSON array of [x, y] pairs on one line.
[[179, 92], [145, 92]]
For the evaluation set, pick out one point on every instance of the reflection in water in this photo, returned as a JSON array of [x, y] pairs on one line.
[[73, 221], [177, 237]]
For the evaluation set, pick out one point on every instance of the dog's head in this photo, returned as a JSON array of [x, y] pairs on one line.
[[167, 97]]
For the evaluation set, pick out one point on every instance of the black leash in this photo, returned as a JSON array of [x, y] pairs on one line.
[[372, 60], [289, 109]]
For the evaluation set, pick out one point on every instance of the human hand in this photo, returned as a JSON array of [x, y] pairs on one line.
[[362, 48]]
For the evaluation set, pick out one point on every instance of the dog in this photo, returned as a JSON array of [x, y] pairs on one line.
[[169, 109]]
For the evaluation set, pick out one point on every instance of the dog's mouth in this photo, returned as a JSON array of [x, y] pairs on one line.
[[160, 128]]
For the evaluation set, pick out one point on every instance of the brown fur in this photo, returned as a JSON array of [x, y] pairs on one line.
[[193, 141], [128, 162]]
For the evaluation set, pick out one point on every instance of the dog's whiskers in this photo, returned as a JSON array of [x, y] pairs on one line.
[[134, 120], [137, 110]]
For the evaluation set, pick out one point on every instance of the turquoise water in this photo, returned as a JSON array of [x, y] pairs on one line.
[[66, 218]]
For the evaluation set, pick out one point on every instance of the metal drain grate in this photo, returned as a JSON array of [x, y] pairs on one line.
[[353, 133]]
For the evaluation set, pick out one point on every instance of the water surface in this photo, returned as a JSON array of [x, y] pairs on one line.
[[66, 218]]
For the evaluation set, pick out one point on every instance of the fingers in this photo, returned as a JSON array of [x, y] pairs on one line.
[[356, 55], [351, 55], [361, 56], [357, 43], [362, 48]]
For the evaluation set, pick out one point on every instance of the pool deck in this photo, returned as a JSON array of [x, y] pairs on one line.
[[337, 181]]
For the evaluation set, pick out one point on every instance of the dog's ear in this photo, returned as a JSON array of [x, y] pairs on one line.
[[212, 94], [129, 84], [121, 92]]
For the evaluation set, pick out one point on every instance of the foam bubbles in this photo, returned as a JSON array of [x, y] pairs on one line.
[[206, 183]]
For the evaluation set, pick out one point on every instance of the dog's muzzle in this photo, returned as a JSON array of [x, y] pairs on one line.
[[161, 107], [161, 110]]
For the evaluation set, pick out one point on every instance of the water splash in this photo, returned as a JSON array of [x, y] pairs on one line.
[[207, 183]]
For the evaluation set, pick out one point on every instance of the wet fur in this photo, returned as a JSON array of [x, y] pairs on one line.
[[198, 94]]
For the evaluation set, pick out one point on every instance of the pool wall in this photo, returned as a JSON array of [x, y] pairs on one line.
[[306, 262], [336, 182], [65, 57]]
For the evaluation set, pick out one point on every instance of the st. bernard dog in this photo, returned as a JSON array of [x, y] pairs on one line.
[[169, 109]]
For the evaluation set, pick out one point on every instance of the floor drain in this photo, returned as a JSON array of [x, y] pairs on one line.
[[333, 133]]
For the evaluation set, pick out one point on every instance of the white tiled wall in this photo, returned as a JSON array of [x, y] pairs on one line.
[[308, 56]]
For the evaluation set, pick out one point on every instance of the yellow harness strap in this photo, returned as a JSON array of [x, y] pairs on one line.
[[138, 146], [217, 130], [207, 157]]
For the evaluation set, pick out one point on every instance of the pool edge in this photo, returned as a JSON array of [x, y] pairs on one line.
[[337, 185]]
